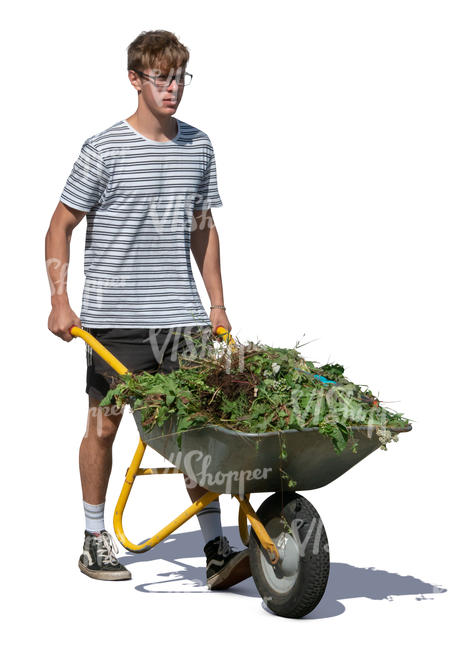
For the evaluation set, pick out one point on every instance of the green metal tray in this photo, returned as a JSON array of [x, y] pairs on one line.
[[233, 462]]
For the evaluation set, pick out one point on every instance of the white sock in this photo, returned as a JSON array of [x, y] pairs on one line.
[[94, 515], [210, 521]]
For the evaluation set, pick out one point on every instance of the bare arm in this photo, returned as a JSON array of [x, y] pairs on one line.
[[57, 257], [205, 249]]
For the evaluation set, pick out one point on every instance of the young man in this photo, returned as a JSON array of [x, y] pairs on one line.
[[147, 185]]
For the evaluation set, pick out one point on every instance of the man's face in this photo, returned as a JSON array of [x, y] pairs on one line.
[[162, 88]]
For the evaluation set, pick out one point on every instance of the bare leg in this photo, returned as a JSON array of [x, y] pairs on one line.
[[95, 457], [196, 491]]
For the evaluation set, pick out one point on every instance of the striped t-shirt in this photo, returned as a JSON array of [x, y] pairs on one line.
[[139, 196]]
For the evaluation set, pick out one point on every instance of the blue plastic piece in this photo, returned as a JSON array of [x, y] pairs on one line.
[[324, 380]]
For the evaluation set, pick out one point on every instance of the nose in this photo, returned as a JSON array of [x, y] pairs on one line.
[[173, 80]]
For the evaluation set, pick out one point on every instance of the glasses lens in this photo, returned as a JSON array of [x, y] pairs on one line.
[[163, 80]]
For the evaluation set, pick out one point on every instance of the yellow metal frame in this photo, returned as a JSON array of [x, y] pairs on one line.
[[246, 512]]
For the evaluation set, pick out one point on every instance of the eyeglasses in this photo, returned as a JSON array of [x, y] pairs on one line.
[[163, 80]]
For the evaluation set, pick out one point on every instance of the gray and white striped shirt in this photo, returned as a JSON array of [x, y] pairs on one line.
[[139, 196]]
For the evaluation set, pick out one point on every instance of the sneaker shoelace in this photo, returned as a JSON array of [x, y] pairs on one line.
[[106, 548], [224, 547]]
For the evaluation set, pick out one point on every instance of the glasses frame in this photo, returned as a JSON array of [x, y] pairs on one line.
[[153, 78]]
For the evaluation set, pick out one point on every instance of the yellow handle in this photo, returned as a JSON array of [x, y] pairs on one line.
[[113, 361], [100, 349], [222, 331]]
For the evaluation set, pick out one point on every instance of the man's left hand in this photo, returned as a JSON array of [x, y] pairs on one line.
[[219, 319]]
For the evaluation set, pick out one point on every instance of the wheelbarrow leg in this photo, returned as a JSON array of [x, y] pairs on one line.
[[242, 521], [263, 536], [133, 471]]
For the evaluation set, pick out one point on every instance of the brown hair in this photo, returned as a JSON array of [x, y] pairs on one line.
[[156, 48]]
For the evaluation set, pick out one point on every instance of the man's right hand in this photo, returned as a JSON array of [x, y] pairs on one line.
[[61, 319]]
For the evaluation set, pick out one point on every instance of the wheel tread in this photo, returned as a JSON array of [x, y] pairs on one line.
[[314, 572]]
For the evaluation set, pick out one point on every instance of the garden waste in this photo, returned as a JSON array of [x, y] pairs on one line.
[[256, 388]]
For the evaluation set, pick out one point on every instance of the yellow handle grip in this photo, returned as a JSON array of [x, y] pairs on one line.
[[222, 331]]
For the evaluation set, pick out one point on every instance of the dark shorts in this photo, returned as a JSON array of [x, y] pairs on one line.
[[149, 349]]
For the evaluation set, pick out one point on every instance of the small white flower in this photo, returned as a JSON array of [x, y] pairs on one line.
[[276, 368]]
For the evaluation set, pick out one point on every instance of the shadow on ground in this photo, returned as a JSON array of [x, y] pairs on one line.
[[345, 581]]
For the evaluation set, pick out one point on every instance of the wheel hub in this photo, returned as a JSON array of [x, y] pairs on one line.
[[282, 575]]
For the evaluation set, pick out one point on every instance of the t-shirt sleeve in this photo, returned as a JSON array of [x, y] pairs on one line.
[[87, 180], [208, 195]]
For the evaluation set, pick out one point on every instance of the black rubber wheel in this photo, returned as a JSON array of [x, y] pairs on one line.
[[295, 585]]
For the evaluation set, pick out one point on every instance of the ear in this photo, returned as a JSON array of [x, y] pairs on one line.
[[134, 80]]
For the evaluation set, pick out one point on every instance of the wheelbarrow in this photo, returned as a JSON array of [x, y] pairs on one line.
[[288, 546]]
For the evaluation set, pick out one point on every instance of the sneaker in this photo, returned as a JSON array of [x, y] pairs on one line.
[[98, 559], [224, 566]]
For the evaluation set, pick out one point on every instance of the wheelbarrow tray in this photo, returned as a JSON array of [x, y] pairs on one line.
[[227, 461]]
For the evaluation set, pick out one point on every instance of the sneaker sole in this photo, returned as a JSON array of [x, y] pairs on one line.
[[234, 572], [104, 575]]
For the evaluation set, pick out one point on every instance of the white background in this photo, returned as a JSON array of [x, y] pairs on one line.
[[340, 136]]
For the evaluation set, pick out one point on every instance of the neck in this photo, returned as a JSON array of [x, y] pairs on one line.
[[160, 128]]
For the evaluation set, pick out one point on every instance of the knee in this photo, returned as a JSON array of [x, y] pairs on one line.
[[102, 427], [106, 433], [102, 433]]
